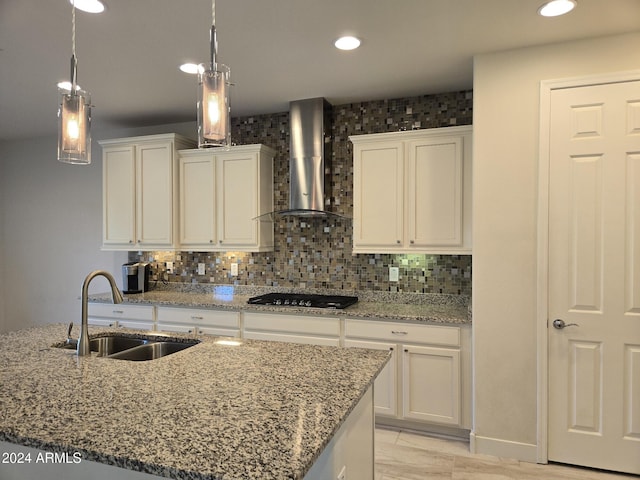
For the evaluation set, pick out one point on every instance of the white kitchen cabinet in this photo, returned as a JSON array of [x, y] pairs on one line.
[[140, 192], [386, 386], [223, 323], [431, 388], [221, 195], [139, 317], [412, 191], [294, 328], [430, 382]]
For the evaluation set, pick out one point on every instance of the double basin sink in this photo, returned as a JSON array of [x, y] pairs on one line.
[[122, 347]]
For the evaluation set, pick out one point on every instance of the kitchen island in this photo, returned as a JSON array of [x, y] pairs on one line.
[[256, 410]]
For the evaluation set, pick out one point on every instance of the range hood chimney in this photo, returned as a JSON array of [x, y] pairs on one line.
[[309, 159], [309, 126]]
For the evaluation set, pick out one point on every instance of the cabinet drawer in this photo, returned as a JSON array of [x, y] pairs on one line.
[[220, 318], [130, 312], [403, 332], [274, 322], [279, 337]]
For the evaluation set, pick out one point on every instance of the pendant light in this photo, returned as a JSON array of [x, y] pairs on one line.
[[214, 112], [74, 114]]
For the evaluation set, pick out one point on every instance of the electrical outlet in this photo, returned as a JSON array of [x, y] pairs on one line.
[[169, 266], [201, 269], [234, 269], [394, 274], [343, 474]]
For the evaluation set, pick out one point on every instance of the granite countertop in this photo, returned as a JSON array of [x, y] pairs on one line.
[[419, 308], [260, 410]]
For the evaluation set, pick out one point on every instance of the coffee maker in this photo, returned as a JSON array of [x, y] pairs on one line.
[[135, 277]]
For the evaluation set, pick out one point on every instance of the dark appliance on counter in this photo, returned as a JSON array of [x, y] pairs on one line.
[[304, 300], [135, 277]]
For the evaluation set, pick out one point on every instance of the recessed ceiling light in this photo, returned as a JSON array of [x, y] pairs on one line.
[[90, 6], [347, 43], [192, 68], [555, 8]]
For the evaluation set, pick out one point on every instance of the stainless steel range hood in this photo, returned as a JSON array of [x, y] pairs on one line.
[[309, 160]]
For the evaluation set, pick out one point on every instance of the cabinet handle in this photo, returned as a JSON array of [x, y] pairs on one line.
[[391, 348], [195, 317], [220, 241], [210, 241], [398, 242], [406, 350], [412, 242], [397, 332], [130, 241], [118, 312]]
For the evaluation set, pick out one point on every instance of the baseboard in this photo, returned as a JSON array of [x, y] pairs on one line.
[[425, 428], [497, 447]]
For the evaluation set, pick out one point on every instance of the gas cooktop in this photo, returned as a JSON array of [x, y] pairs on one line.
[[304, 300]]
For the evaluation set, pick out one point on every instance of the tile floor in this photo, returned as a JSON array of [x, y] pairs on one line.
[[404, 455]]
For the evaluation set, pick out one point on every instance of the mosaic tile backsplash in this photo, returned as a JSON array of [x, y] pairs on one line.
[[316, 253]]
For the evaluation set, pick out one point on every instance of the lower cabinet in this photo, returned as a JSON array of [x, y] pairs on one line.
[[292, 328], [222, 323], [428, 379], [139, 317], [385, 391]]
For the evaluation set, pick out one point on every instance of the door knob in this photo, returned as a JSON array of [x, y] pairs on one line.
[[559, 324]]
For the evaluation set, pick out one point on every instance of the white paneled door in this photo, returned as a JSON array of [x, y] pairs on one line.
[[594, 276]]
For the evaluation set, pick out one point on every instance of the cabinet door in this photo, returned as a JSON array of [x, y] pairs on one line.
[[435, 185], [118, 190], [378, 193], [155, 195], [237, 198], [197, 201], [431, 384], [385, 390]]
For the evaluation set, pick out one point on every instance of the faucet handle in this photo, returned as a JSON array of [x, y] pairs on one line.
[[69, 340]]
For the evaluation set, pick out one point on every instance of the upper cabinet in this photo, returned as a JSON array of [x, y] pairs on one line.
[[140, 192], [412, 191], [221, 195]]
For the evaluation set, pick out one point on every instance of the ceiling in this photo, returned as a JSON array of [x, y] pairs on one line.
[[278, 51]]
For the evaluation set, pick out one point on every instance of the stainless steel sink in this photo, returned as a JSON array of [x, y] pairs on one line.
[[151, 351], [123, 347], [109, 345]]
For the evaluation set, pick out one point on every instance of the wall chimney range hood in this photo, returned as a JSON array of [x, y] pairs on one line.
[[309, 159]]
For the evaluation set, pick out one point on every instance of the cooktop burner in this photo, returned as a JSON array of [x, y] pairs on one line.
[[304, 300]]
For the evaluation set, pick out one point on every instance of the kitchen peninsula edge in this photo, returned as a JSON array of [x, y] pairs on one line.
[[258, 410]]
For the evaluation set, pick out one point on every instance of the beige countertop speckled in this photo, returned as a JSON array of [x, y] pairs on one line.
[[437, 309], [260, 410]]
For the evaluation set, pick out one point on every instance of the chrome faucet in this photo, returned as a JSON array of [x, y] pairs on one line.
[[116, 295]]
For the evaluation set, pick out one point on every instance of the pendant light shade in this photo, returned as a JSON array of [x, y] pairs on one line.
[[214, 122], [214, 109], [74, 114], [74, 122]]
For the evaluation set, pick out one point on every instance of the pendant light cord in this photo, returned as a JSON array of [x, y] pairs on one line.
[[213, 12], [73, 29]]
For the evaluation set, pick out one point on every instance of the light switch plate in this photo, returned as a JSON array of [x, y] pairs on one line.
[[201, 269], [394, 274], [234, 269]]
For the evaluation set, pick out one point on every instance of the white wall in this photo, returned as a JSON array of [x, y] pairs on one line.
[[506, 134], [51, 229]]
